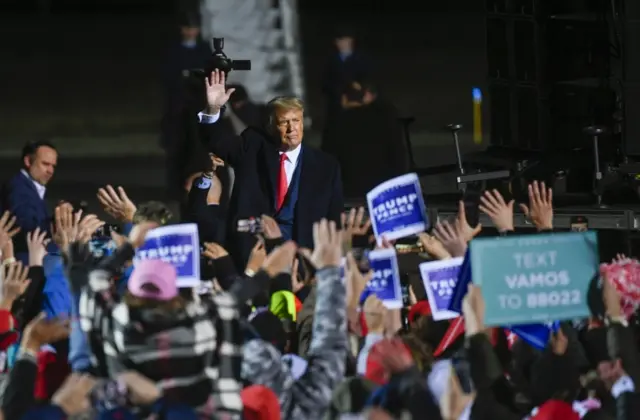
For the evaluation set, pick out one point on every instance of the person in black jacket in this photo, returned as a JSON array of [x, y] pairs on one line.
[[365, 136], [187, 53], [275, 174]]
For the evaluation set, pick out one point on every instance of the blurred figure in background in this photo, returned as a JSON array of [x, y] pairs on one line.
[[182, 94], [345, 64], [366, 138]]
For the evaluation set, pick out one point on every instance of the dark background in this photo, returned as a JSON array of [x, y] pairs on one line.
[[92, 66], [86, 75]]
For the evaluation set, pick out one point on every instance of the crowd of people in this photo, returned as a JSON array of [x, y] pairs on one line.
[[280, 326]]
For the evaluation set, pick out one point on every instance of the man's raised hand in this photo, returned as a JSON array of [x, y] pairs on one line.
[[327, 250], [217, 94], [116, 203]]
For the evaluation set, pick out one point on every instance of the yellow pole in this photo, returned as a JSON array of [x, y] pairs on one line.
[[477, 116]]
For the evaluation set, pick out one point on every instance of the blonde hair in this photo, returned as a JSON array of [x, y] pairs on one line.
[[284, 103]]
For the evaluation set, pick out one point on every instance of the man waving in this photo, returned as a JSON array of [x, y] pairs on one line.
[[276, 174]]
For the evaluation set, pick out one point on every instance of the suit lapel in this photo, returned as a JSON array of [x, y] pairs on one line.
[[272, 162], [305, 185]]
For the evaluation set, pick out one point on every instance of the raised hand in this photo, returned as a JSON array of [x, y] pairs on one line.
[[7, 229], [473, 309], [117, 204], [540, 208], [501, 213], [270, 228], [73, 396], [37, 242], [280, 260], [433, 246], [87, 227], [67, 223], [296, 283], [354, 224], [139, 233], [142, 391], [327, 249], [14, 283], [41, 331], [454, 400], [217, 93], [356, 281], [452, 238], [257, 257], [213, 251], [468, 232]]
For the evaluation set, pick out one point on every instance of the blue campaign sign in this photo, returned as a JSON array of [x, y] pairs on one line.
[[439, 279], [535, 278], [386, 277], [396, 208], [178, 245]]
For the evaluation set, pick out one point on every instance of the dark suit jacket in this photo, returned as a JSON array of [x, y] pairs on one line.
[[255, 159], [21, 198]]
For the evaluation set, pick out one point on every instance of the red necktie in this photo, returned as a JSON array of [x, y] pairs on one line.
[[282, 183]]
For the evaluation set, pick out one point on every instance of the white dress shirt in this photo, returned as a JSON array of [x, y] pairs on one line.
[[292, 155], [290, 163], [41, 189]]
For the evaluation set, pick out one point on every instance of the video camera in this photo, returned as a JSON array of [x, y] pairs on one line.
[[220, 61]]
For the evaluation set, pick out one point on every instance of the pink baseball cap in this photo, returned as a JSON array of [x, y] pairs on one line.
[[153, 279]]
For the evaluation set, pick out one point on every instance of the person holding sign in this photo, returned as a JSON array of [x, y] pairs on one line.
[[275, 174]]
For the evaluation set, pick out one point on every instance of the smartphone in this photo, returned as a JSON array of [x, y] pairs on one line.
[[105, 231], [471, 203], [462, 368], [110, 394], [579, 224], [101, 247], [251, 225]]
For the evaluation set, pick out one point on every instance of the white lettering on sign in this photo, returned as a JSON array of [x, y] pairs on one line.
[[383, 274], [510, 301], [531, 260], [380, 278], [540, 279], [175, 254], [532, 240], [443, 287], [553, 298], [396, 206]]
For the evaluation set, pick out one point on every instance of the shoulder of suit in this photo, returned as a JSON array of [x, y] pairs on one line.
[[16, 179], [254, 132], [324, 158]]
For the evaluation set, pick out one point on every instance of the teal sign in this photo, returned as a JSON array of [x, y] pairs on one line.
[[535, 278]]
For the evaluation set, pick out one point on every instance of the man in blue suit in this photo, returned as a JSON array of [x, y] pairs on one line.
[[24, 194]]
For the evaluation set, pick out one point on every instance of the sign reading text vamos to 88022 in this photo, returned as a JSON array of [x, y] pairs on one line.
[[535, 278]]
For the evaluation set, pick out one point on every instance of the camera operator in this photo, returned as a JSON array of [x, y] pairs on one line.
[[186, 53]]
